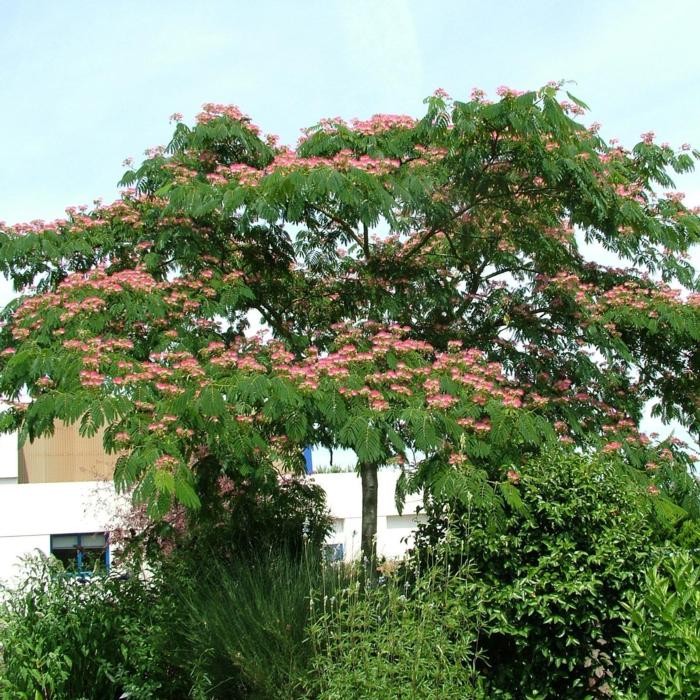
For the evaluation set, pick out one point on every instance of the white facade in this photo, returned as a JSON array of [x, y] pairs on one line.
[[31, 513], [344, 497], [9, 457]]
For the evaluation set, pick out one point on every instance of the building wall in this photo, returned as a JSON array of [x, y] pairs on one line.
[[31, 513], [8, 459], [65, 456], [344, 497]]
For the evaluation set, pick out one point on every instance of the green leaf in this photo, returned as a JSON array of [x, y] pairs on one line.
[[511, 496], [186, 494], [164, 481], [254, 388], [577, 101], [359, 434], [333, 408], [296, 426], [422, 426], [211, 401], [396, 440]]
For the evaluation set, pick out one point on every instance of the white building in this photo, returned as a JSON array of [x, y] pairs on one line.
[[45, 507], [9, 455]]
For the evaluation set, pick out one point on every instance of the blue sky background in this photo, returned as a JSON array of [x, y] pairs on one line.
[[84, 85]]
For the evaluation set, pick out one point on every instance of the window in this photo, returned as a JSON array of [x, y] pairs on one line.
[[334, 552], [81, 553], [333, 549]]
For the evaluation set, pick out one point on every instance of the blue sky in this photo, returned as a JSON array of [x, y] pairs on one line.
[[84, 85]]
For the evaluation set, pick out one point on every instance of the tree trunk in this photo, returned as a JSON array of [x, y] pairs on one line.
[[368, 474]]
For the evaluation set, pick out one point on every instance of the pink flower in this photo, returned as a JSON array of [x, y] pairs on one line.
[[612, 446], [505, 91], [166, 462], [441, 400]]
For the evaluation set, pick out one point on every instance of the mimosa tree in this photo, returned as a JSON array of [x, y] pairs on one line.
[[426, 296]]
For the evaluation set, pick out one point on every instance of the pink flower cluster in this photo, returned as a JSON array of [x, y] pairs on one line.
[[166, 462], [211, 110], [377, 124], [505, 91], [380, 123], [289, 161], [572, 107]]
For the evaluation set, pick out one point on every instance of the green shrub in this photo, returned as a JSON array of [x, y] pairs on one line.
[[551, 571], [236, 520], [387, 641], [237, 575], [661, 635], [70, 638], [242, 570]]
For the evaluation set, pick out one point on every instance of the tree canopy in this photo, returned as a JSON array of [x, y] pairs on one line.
[[427, 300]]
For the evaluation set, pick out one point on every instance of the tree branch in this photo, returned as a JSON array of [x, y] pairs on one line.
[[345, 227]]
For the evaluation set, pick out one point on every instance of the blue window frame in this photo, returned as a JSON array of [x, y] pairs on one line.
[[309, 464], [334, 552], [83, 552]]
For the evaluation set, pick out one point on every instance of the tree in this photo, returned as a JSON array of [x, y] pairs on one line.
[[422, 282]]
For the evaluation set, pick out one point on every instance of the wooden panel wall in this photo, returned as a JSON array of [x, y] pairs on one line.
[[65, 456]]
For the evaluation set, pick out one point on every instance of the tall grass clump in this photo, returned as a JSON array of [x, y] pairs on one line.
[[248, 622]]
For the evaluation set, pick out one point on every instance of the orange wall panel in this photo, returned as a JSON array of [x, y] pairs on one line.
[[65, 456]]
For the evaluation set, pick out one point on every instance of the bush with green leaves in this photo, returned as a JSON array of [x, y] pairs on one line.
[[237, 519], [254, 548], [552, 568], [393, 641], [66, 637], [661, 633]]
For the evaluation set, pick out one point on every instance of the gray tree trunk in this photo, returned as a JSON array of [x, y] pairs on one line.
[[368, 542]]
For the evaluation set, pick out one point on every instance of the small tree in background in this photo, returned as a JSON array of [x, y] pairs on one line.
[[427, 298]]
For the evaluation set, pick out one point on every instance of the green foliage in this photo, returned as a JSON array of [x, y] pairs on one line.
[[660, 641], [69, 638], [246, 623], [462, 228], [572, 584], [172, 635], [389, 641], [254, 549], [290, 516], [551, 569]]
